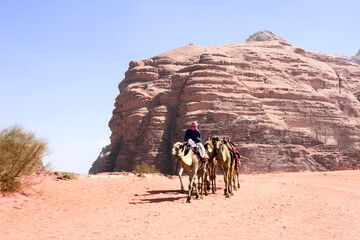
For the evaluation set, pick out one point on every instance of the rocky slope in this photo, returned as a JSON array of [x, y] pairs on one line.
[[357, 57], [286, 109], [104, 154]]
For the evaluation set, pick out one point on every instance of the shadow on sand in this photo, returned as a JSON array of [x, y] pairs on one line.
[[171, 196], [149, 197]]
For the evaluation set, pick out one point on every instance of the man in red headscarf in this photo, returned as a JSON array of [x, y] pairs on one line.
[[193, 138]]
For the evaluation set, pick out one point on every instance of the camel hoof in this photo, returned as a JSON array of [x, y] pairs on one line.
[[227, 196], [188, 200]]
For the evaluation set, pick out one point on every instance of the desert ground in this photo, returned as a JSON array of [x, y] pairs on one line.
[[307, 205]]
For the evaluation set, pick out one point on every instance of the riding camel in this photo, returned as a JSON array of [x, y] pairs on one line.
[[190, 162], [211, 164], [225, 163]]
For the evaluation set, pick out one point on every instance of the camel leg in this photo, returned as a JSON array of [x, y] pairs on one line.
[[191, 184], [200, 185], [238, 180], [231, 178], [231, 185], [204, 183], [205, 180], [196, 191], [234, 181], [214, 179], [207, 186], [207, 175], [226, 180], [180, 177], [201, 180], [211, 175], [212, 182]]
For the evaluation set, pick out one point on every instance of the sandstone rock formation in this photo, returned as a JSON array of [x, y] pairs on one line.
[[96, 166], [357, 57], [264, 36], [285, 108]]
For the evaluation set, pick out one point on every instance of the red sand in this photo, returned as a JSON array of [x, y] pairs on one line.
[[322, 205]]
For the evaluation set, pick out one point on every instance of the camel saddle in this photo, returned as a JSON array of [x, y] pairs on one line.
[[234, 152], [197, 153]]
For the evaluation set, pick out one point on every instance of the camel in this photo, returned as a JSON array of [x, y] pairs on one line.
[[189, 161], [236, 180], [225, 163], [211, 164], [202, 179], [235, 173]]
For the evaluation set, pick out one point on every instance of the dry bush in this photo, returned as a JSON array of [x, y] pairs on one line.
[[65, 175], [21, 156], [145, 168]]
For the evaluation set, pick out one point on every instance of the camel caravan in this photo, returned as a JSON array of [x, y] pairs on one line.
[[201, 161]]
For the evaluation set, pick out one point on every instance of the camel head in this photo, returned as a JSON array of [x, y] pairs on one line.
[[178, 149], [216, 143]]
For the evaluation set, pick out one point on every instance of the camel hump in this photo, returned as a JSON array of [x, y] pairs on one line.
[[208, 143]]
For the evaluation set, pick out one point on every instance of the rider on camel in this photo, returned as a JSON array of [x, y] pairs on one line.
[[193, 138]]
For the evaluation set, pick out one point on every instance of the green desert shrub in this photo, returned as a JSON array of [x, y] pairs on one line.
[[21, 156], [145, 168]]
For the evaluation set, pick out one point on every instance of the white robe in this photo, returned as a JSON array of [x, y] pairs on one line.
[[199, 146]]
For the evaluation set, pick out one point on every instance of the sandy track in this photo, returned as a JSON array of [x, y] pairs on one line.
[[322, 205]]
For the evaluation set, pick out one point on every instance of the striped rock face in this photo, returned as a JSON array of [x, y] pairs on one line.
[[285, 108]]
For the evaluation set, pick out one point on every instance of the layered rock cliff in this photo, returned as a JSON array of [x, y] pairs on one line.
[[287, 109]]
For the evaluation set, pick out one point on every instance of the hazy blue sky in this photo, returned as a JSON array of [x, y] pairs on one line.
[[61, 61]]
